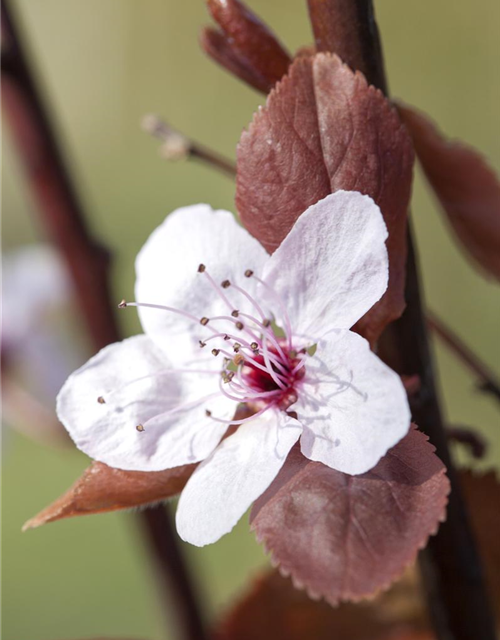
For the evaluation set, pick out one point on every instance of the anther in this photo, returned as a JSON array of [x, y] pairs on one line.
[[204, 321], [215, 352], [226, 362], [225, 284], [202, 344], [254, 346], [208, 413], [226, 337], [248, 273], [235, 313], [238, 359], [140, 428], [101, 400], [236, 347], [292, 354], [239, 325], [227, 376], [122, 304], [267, 322], [201, 268]]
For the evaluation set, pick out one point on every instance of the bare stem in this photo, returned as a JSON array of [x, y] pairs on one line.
[[488, 381], [451, 567], [88, 264], [176, 146]]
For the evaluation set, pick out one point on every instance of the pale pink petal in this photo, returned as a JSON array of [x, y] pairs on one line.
[[167, 274], [332, 267], [35, 285], [240, 469], [352, 406], [135, 385]]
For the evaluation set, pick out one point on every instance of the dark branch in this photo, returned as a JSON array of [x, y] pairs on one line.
[[88, 264]]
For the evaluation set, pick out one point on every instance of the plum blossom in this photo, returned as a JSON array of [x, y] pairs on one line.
[[226, 324], [38, 347]]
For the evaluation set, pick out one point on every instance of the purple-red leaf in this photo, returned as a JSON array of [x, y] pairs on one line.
[[467, 188], [102, 488], [324, 129], [216, 45], [346, 537], [252, 43], [274, 610]]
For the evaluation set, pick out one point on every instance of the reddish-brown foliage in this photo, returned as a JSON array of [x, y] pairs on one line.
[[466, 187], [323, 129], [346, 537], [102, 488], [245, 45]]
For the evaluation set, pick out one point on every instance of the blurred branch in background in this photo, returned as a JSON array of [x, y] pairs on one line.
[[487, 379], [177, 146], [88, 264]]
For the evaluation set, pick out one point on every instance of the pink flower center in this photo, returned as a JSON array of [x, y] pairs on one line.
[[259, 367]]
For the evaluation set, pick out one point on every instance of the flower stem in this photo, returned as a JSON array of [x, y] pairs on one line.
[[87, 263], [451, 567]]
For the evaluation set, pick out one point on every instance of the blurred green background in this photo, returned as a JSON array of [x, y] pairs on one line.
[[102, 65]]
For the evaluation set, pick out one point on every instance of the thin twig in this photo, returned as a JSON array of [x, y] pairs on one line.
[[488, 380], [177, 146], [451, 566], [88, 264]]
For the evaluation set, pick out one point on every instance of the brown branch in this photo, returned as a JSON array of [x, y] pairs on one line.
[[488, 381], [88, 263], [177, 146], [451, 567]]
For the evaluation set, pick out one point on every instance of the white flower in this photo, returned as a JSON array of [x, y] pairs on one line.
[[207, 293]]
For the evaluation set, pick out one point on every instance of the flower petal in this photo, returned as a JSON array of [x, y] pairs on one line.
[[239, 470], [332, 266], [352, 406], [131, 383], [167, 275]]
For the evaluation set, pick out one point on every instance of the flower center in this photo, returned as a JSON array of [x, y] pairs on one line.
[[260, 367]]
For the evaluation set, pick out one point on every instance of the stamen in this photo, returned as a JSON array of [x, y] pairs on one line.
[[215, 352], [140, 428], [208, 413], [227, 376], [204, 321], [101, 400], [235, 313], [236, 347], [270, 335], [275, 376], [240, 325], [248, 273], [201, 268], [252, 301], [254, 347], [202, 344], [238, 359], [161, 307], [243, 420], [248, 394], [217, 289], [286, 317], [225, 284]]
